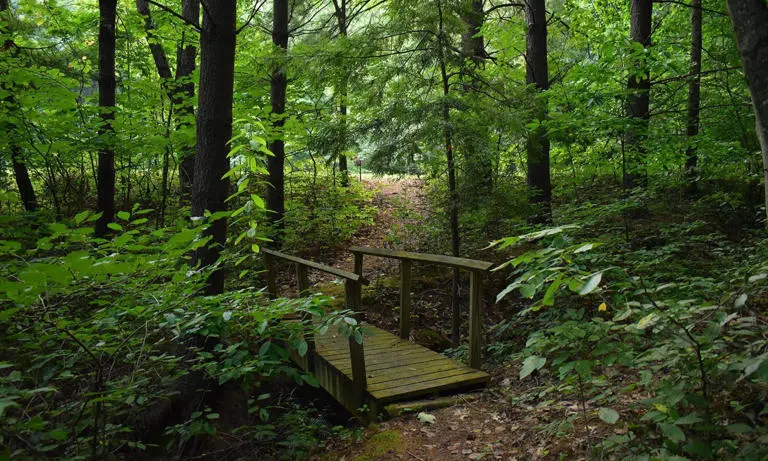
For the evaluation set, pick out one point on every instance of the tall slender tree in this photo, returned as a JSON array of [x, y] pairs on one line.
[[453, 196], [214, 129], [340, 11], [105, 200], [20, 172], [639, 88], [537, 74], [750, 23], [186, 54], [278, 86], [179, 87], [694, 94]]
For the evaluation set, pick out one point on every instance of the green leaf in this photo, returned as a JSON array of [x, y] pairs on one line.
[[591, 284], [672, 432], [647, 321], [80, 217], [741, 301], [609, 415], [426, 418], [532, 364], [739, 428], [115, 226], [693, 418], [8, 313], [302, 348], [124, 215], [7, 403], [57, 434]]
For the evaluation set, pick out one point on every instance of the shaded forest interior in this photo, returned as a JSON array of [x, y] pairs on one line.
[[610, 158]]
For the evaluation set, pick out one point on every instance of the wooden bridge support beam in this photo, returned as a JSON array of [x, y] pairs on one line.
[[475, 319], [352, 295], [405, 298]]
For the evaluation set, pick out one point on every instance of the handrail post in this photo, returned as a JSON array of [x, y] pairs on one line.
[[302, 282], [405, 299], [475, 319], [352, 295], [358, 264], [271, 275]]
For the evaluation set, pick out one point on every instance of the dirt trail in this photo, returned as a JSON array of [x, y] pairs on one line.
[[491, 427], [402, 203]]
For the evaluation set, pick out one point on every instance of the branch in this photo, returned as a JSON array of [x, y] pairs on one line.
[[173, 13], [504, 5], [683, 77], [253, 14], [678, 2]]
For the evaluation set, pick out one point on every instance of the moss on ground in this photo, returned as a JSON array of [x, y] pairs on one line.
[[381, 443]]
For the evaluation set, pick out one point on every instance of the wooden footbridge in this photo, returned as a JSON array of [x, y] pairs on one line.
[[384, 368]]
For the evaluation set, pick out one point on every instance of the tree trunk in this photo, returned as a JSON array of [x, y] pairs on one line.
[[20, 172], [452, 195], [750, 23], [214, 129], [278, 86], [186, 55], [105, 199], [639, 87], [537, 73], [694, 95], [479, 167], [26, 191], [340, 7], [473, 44], [180, 89]]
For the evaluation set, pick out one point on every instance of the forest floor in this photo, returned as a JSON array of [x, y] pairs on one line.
[[495, 425]]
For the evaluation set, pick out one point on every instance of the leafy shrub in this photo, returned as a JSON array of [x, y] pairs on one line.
[[701, 365], [100, 338]]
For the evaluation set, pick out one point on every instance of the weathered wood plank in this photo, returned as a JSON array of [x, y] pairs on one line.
[[381, 363], [321, 267], [384, 361], [450, 261], [475, 319], [423, 379], [352, 294], [271, 275], [405, 298], [434, 387]]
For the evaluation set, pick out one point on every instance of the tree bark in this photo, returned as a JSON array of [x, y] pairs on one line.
[[537, 74], [694, 95], [186, 56], [214, 130], [105, 200], [278, 85], [639, 87], [750, 24], [340, 7], [452, 195], [473, 44], [20, 172], [479, 167], [179, 88]]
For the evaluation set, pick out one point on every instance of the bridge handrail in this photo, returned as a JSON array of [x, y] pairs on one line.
[[352, 295], [317, 266], [450, 261], [476, 270]]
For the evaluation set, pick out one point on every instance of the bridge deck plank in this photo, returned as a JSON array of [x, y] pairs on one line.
[[398, 369]]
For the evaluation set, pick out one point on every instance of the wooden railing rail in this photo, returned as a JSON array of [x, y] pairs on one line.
[[476, 270], [352, 293]]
